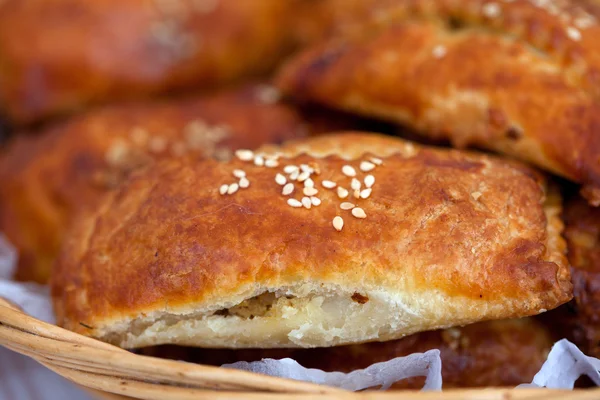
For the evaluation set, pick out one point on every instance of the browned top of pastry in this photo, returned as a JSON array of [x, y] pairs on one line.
[[61, 55], [508, 76], [46, 178], [488, 354], [438, 238], [579, 320], [565, 30]]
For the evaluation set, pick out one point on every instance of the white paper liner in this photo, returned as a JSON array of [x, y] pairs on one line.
[[383, 374], [565, 363]]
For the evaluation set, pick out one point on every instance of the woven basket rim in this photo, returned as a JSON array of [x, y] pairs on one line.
[[111, 372]]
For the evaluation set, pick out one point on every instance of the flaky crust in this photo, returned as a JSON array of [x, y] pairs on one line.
[[514, 77], [60, 55], [488, 354], [579, 320], [45, 179], [450, 238]]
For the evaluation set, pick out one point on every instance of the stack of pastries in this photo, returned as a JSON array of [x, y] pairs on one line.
[[216, 181]]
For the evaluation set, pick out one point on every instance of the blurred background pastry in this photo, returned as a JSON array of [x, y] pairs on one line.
[[57, 56], [519, 78], [579, 320], [47, 176]]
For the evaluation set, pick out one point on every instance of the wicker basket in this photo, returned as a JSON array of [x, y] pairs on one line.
[[109, 372]]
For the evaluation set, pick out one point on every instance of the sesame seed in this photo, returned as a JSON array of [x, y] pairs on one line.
[[365, 193], [259, 161], [288, 169], [356, 194], [294, 203], [294, 175], [338, 223], [306, 202], [244, 155], [328, 184], [348, 170], [491, 10], [157, 144], [287, 189], [574, 33], [139, 136], [223, 189], [439, 51], [309, 183], [268, 94], [271, 163], [244, 182], [355, 185], [306, 168], [359, 212], [315, 201], [310, 191], [280, 179], [376, 161], [238, 173], [369, 181], [303, 176], [117, 153], [366, 166], [233, 188], [476, 195], [584, 22], [178, 148], [342, 193], [347, 206]]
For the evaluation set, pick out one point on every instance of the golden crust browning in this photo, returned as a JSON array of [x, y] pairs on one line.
[[579, 320], [57, 56], [450, 238], [45, 179], [510, 77], [487, 354]]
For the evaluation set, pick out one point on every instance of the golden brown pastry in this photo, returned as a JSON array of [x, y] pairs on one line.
[[60, 55], [184, 253], [520, 77], [45, 179], [579, 320], [493, 353]]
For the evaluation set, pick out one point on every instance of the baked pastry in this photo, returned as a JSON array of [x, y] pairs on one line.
[[579, 320], [520, 77], [71, 53], [46, 178], [402, 238], [486, 354]]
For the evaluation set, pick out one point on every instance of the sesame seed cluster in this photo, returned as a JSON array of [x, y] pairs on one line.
[[575, 19], [170, 29], [298, 184], [196, 136]]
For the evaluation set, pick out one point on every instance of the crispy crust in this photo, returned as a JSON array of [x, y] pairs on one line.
[[487, 354], [511, 77], [167, 259], [579, 320], [60, 55], [45, 179]]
